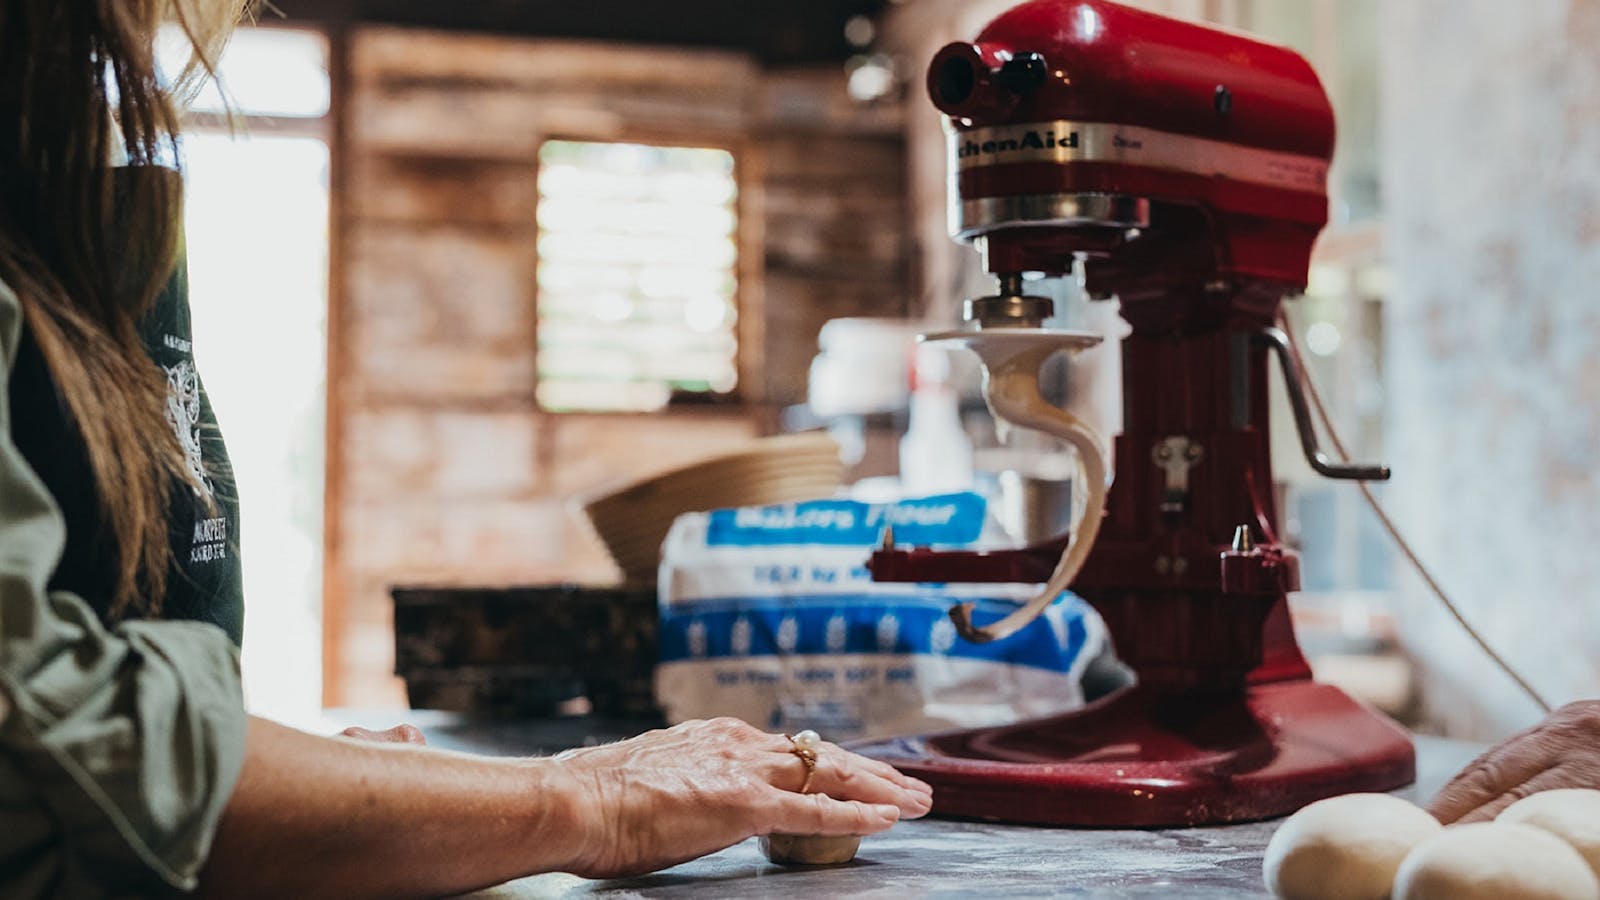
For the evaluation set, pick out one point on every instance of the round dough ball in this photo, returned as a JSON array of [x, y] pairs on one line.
[[810, 849], [1495, 861], [1572, 815], [1344, 848]]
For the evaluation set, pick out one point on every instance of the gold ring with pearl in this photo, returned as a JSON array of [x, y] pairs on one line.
[[805, 746]]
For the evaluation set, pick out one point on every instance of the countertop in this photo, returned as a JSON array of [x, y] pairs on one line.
[[928, 858]]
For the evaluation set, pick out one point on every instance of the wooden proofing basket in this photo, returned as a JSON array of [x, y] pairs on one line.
[[634, 520]]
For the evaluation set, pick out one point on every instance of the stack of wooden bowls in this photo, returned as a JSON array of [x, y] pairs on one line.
[[634, 520]]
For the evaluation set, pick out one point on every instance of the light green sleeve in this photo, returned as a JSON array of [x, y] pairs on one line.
[[118, 748]]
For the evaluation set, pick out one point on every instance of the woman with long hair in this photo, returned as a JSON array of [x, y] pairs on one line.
[[128, 765]]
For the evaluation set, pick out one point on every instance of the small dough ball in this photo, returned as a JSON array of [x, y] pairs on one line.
[[1344, 848], [1572, 815], [1495, 861], [810, 849]]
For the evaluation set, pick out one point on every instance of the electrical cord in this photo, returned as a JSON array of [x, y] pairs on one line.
[[1400, 542]]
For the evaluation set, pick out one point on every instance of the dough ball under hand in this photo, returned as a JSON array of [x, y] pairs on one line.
[[809, 849], [1344, 848], [1571, 815], [1495, 861]]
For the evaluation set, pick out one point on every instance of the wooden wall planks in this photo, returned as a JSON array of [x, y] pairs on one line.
[[442, 468]]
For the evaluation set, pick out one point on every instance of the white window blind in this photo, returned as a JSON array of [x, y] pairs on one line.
[[638, 254]]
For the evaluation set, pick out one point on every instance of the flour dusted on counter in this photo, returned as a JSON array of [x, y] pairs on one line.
[[770, 614]]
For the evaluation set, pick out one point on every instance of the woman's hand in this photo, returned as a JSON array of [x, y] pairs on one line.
[[1563, 751], [669, 796]]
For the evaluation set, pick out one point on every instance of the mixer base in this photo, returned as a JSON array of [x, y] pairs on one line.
[[1140, 759]]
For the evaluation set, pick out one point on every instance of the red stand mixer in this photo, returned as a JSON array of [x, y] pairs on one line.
[[1182, 170]]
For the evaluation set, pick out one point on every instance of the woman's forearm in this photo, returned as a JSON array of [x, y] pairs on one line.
[[314, 816]]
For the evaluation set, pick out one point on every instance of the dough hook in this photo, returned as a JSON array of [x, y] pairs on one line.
[[1012, 359]]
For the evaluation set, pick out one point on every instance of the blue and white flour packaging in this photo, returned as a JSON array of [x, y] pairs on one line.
[[769, 614]]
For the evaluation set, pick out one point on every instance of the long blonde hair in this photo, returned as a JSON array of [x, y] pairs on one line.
[[88, 255]]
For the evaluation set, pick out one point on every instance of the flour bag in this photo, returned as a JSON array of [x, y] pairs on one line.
[[769, 614]]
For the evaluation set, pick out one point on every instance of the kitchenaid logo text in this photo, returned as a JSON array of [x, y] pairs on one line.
[[1030, 140], [1065, 142]]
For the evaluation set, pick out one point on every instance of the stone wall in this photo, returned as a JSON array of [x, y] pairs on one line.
[[442, 468], [1492, 178]]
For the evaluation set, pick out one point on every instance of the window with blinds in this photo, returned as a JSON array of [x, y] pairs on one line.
[[637, 275]]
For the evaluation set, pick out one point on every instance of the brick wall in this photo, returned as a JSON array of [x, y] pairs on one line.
[[442, 469]]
